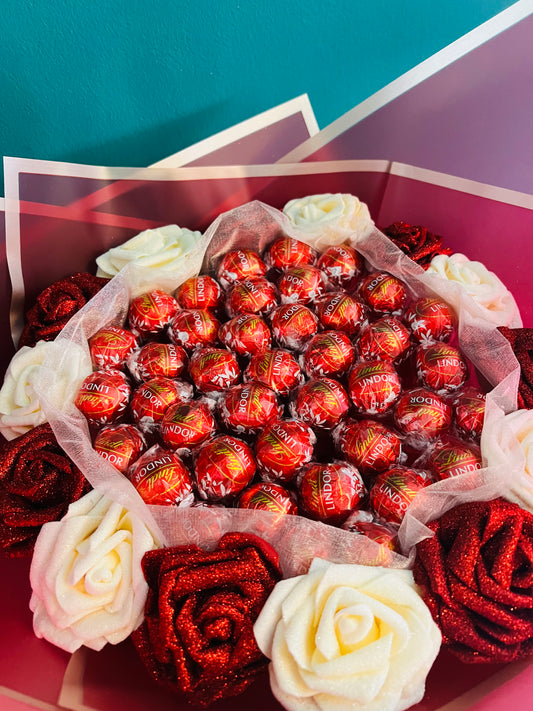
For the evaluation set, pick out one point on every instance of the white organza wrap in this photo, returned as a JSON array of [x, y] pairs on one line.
[[297, 540]]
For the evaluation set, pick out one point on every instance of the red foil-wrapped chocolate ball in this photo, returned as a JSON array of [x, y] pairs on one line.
[[245, 335], [120, 445], [276, 368], [151, 313], [342, 265], [430, 320], [469, 409], [453, 457], [328, 353], [199, 292], [240, 264], [293, 325], [330, 492], [283, 448], [286, 252], [385, 339], [302, 285], [246, 409], [152, 399], [110, 346], [378, 532], [265, 496], [192, 328], [224, 466], [422, 414], [103, 396], [368, 444], [341, 312], [321, 402], [162, 479], [157, 359], [440, 367], [393, 491], [383, 292], [213, 369], [254, 295], [187, 424], [374, 386]]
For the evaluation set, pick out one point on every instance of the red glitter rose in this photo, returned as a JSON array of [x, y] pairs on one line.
[[56, 305], [37, 483], [521, 340], [477, 576], [416, 241], [197, 637]]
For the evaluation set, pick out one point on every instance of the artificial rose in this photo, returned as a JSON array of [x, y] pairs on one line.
[[160, 248], [521, 340], [197, 636], [86, 575], [504, 451], [37, 483], [495, 301], [347, 637], [329, 219], [20, 406], [56, 305], [416, 241], [477, 576]]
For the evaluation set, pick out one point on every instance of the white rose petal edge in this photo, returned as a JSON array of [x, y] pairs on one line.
[[347, 638]]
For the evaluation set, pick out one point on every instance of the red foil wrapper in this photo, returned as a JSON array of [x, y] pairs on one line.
[[192, 328], [283, 448], [213, 369], [422, 414], [393, 492], [286, 252], [302, 285], [378, 532], [374, 386], [385, 339], [103, 396], [342, 265], [293, 325], [224, 466], [329, 353], [187, 424], [277, 369], [341, 312], [440, 367], [246, 334], [430, 320], [469, 409], [246, 409], [322, 402], [162, 479], [199, 292], [239, 264], [330, 492], [254, 295], [152, 312], [268, 497], [110, 347], [368, 444], [120, 445], [383, 292], [152, 399], [453, 458], [157, 359]]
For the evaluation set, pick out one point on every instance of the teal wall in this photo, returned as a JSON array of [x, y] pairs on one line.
[[126, 82]]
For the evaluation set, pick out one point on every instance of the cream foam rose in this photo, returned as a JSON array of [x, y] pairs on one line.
[[20, 405], [347, 637], [507, 443], [86, 577], [329, 218], [160, 248], [496, 302]]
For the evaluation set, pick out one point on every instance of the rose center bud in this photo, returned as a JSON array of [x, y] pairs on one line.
[[356, 627], [218, 630], [104, 576]]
